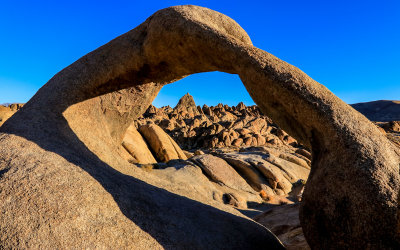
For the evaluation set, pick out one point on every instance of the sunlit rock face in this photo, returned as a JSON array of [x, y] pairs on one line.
[[8, 110], [66, 184]]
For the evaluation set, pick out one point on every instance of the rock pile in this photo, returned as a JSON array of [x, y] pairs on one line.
[[254, 175], [391, 130], [216, 126], [262, 168], [390, 127]]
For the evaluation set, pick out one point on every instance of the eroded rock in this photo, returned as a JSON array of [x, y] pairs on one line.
[[284, 222], [7, 112], [221, 172], [134, 143], [161, 143]]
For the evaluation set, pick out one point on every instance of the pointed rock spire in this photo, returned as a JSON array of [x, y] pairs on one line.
[[187, 104]]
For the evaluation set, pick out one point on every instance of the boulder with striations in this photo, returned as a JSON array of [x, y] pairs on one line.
[[162, 144], [136, 146], [221, 172]]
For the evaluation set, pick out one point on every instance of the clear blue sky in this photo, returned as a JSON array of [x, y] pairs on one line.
[[352, 47]]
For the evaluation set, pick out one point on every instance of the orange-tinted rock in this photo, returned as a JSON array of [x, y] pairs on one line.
[[161, 143], [134, 143]]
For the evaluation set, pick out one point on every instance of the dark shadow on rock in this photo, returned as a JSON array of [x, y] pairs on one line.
[[3, 171], [255, 208], [173, 220]]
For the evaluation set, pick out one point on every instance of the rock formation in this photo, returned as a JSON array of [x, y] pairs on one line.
[[258, 176], [392, 126], [186, 105], [221, 172], [136, 146], [65, 182], [391, 130], [216, 127], [164, 146], [284, 222], [7, 112]]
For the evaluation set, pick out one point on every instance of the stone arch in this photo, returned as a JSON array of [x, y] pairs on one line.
[[351, 196]]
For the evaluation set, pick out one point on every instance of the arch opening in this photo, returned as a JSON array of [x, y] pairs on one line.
[[210, 88]]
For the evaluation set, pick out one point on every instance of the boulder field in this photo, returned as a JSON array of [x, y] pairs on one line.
[[65, 181], [194, 127]]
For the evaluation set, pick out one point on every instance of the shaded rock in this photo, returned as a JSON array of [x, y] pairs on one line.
[[248, 141], [207, 110], [284, 222], [16, 106], [295, 160], [248, 172], [167, 124], [392, 126], [297, 190], [234, 200], [151, 111], [200, 110], [237, 142], [198, 152], [304, 153], [383, 131], [240, 106], [291, 171]]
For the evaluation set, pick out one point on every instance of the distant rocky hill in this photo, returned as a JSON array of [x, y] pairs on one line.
[[379, 111]]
